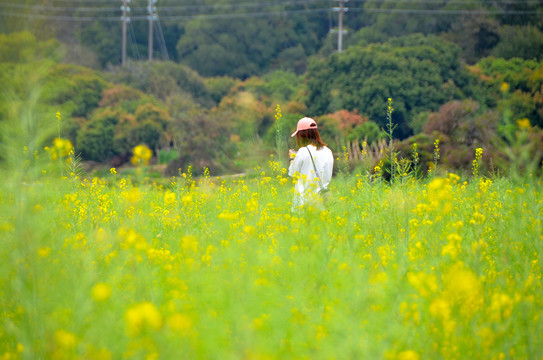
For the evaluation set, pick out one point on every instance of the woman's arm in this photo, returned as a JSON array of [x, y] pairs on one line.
[[295, 164]]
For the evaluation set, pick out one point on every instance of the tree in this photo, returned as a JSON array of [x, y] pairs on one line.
[[516, 86], [524, 42], [80, 86], [404, 22], [476, 36], [24, 48], [202, 138], [418, 72], [251, 45], [98, 38], [461, 127], [96, 140], [162, 79]]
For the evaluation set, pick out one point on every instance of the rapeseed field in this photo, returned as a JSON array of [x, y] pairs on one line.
[[124, 267]]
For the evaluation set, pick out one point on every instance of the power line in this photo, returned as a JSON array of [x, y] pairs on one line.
[[143, 17], [162, 40], [237, 5], [275, 13], [133, 42], [56, 8], [451, 12], [59, 17], [450, 2], [257, 4], [238, 15], [173, 17], [75, 1], [167, 8]]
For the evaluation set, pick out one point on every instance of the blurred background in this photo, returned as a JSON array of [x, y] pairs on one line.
[[221, 84]]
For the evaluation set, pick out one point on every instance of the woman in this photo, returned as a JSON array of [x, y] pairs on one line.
[[313, 163]]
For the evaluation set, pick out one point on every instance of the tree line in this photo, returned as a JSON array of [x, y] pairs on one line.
[[217, 96]]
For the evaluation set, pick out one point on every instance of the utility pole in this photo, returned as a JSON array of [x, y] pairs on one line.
[[152, 15], [340, 10], [125, 19]]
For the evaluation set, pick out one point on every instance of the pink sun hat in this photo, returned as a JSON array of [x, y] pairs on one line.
[[305, 124]]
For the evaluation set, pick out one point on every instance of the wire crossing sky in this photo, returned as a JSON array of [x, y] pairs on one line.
[[65, 13]]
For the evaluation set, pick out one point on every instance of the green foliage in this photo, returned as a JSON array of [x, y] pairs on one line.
[[219, 87], [24, 48], [124, 97], [279, 133], [281, 86], [402, 22], [461, 127], [230, 39], [27, 122], [515, 72], [114, 132], [291, 59], [417, 121], [419, 72], [365, 36], [216, 48], [152, 123], [345, 92], [524, 42], [251, 103], [78, 88], [203, 139], [249, 47], [516, 86], [164, 79], [98, 37], [369, 131], [329, 129], [167, 156], [476, 36], [95, 141]]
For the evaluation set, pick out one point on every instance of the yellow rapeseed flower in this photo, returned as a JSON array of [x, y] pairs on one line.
[[60, 149], [425, 284], [141, 155], [249, 229], [501, 307], [44, 252], [440, 309], [524, 123], [101, 292], [169, 198], [179, 323], [451, 250], [463, 287], [439, 190], [408, 355], [142, 316], [65, 339], [189, 243]]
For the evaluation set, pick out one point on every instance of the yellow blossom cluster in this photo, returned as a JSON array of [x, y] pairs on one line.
[[61, 148], [141, 155], [448, 268]]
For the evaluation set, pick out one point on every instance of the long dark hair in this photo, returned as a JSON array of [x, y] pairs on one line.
[[309, 137]]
